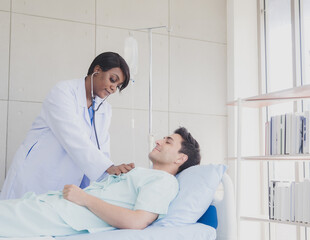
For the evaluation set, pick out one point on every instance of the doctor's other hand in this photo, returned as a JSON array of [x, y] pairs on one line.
[[74, 194], [123, 168]]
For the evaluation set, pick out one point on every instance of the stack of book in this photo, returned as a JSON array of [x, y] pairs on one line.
[[288, 134], [289, 201]]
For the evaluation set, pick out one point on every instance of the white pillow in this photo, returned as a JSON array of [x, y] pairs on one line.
[[197, 188]]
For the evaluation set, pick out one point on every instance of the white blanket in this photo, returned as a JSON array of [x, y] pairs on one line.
[[195, 231]]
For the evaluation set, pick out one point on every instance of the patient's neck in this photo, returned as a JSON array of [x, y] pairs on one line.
[[167, 168]]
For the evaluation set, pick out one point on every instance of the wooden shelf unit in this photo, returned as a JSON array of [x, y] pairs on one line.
[[264, 100], [259, 101], [267, 220], [299, 157]]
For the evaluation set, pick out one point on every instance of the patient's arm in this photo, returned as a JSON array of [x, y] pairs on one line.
[[116, 216]]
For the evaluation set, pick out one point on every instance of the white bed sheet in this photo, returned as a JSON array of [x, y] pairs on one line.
[[195, 231]]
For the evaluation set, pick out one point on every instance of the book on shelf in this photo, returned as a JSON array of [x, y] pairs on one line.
[[287, 134], [281, 143], [289, 201], [293, 133], [276, 203], [306, 135], [279, 200], [299, 134], [297, 218], [283, 202], [271, 194], [277, 136], [306, 201], [292, 202], [273, 135], [307, 170], [299, 202], [286, 203], [296, 202], [267, 142]]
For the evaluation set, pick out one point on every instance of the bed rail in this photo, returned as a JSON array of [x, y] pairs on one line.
[[226, 211]]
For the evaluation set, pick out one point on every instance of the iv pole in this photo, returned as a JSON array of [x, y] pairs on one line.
[[151, 136]]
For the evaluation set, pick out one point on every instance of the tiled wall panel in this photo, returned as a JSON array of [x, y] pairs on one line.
[[198, 77], [199, 19], [49, 56], [3, 132], [4, 53], [133, 14], [75, 10], [5, 5]]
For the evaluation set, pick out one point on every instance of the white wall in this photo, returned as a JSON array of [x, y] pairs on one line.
[[43, 42], [243, 81]]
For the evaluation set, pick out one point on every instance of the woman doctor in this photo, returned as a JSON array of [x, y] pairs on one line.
[[69, 142]]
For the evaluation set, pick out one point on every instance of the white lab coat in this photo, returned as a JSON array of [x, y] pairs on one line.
[[61, 145]]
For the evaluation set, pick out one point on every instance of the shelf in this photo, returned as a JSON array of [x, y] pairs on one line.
[[265, 219], [300, 157], [263, 100]]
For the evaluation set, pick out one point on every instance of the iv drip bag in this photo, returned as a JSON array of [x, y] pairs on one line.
[[131, 54]]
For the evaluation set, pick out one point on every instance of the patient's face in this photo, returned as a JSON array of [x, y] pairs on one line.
[[167, 149]]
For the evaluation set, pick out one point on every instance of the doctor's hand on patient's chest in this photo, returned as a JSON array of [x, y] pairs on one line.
[[123, 168]]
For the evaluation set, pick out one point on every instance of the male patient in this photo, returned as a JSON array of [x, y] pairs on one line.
[[132, 200]]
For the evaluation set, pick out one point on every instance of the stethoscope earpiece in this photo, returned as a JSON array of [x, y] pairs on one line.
[[92, 92]]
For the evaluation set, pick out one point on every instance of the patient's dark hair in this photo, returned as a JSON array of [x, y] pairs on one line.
[[189, 147], [109, 60]]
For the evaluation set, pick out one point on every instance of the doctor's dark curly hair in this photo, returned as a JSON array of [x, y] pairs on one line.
[[109, 60], [189, 147]]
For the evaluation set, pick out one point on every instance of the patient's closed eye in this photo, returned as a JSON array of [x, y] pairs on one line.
[[169, 140]]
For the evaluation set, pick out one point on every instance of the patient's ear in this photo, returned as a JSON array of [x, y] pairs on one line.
[[182, 159]]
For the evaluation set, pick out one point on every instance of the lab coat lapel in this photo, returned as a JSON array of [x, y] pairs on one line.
[[81, 98]]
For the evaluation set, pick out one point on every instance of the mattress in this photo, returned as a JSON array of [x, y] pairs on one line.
[[195, 231]]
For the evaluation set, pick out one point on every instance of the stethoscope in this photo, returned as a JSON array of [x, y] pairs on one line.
[[93, 105]]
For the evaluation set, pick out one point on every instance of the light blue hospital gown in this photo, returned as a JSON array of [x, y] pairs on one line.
[[49, 214]]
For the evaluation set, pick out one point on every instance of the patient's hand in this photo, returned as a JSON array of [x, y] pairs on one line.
[[75, 194], [123, 168]]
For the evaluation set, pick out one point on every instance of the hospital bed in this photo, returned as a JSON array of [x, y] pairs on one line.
[[226, 229]]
